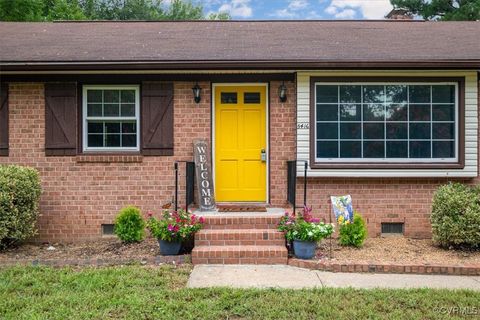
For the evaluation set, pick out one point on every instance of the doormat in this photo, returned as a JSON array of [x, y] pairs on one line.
[[241, 209]]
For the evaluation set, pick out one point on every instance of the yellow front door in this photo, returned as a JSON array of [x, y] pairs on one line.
[[240, 144]]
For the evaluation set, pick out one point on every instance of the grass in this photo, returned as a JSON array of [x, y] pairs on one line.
[[135, 292]]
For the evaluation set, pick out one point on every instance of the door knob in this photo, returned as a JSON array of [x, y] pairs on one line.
[[263, 155]]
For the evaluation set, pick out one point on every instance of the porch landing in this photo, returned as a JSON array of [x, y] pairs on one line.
[[240, 238]]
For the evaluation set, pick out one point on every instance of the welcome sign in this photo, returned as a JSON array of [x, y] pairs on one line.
[[204, 176]]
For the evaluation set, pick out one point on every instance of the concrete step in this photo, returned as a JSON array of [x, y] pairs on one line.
[[226, 237], [253, 254]]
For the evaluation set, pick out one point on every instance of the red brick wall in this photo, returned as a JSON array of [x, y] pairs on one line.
[[80, 193]]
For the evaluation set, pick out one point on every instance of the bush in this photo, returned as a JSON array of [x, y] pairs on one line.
[[456, 216], [19, 202], [353, 234], [129, 225], [175, 226], [304, 227]]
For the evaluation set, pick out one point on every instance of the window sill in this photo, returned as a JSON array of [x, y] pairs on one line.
[[109, 158], [388, 165]]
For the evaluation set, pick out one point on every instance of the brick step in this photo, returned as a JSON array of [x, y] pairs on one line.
[[264, 221], [239, 255], [226, 237]]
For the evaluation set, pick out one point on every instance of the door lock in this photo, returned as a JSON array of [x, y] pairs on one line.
[[263, 155]]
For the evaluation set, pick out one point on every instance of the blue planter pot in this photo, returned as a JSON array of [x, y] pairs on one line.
[[168, 248], [304, 249]]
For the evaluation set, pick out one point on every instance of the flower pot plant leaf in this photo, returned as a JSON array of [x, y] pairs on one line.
[[174, 226], [304, 227]]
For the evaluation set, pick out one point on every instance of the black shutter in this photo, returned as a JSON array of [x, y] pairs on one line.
[[157, 119], [4, 119], [60, 119]]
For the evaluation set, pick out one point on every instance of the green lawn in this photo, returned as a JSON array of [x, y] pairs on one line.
[[135, 292]]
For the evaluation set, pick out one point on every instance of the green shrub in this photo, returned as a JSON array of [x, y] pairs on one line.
[[456, 216], [353, 234], [19, 202], [129, 225]]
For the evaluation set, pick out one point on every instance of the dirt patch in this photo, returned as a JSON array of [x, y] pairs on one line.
[[106, 248], [399, 250]]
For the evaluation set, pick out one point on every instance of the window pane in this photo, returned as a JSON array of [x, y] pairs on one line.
[[327, 130], [397, 131], [352, 94], [350, 112], [350, 130], [228, 97], [396, 93], [419, 94], [373, 112], [443, 94], [373, 94], [443, 149], [129, 140], [350, 149], [419, 149], [111, 110], [112, 127], [129, 127], [443, 112], [251, 97], [443, 131], [419, 130], [327, 94], [128, 110], [373, 149], [94, 110], [373, 131], [111, 96], [95, 127], [419, 112], [112, 140], [94, 96], [397, 149], [128, 96], [327, 149], [327, 112], [396, 112], [95, 140]]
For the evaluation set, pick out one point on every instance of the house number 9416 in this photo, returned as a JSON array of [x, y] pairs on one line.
[[303, 125]]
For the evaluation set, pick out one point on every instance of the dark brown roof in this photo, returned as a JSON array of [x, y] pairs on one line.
[[261, 44]]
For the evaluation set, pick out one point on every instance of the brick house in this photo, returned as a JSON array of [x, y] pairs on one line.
[[383, 110]]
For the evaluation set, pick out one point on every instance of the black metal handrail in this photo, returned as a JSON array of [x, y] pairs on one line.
[[189, 183], [292, 183]]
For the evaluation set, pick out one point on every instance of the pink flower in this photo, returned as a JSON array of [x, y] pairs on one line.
[[149, 214], [201, 220]]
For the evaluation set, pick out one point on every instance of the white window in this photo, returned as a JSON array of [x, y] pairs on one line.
[[111, 118], [386, 122]]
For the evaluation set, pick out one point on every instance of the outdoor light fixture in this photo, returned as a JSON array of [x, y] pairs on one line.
[[196, 93], [282, 92]]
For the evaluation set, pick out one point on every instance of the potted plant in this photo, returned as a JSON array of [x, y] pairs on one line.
[[304, 231], [173, 228]]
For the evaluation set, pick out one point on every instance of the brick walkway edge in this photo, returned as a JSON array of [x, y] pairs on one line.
[[157, 260], [376, 267]]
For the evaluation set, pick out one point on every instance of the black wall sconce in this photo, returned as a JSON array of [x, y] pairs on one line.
[[197, 93], [282, 92]]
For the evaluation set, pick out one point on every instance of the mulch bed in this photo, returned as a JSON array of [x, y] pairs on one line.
[[107, 251], [393, 255]]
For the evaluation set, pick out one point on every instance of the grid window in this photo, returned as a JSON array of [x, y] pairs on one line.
[[111, 118], [398, 122]]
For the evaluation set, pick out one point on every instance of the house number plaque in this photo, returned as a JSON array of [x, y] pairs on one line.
[[203, 171]]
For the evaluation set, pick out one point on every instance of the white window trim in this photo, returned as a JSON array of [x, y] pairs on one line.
[[85, 118], [388, 160]]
